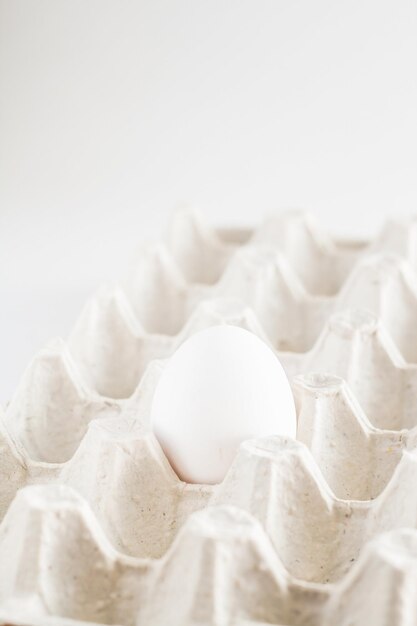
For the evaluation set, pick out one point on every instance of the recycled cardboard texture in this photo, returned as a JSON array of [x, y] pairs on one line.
[[98, 529]]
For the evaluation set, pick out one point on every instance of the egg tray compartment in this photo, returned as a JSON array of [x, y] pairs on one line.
[[388, 454]]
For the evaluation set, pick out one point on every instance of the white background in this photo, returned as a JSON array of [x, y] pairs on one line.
[[112, 113]]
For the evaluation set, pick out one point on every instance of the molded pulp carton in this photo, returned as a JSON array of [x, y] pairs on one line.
[[98, 529]]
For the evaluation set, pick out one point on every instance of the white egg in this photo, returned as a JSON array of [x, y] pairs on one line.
[[221, 387]]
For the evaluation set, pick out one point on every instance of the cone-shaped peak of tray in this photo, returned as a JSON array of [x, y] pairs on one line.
[[215, 549], [199, 251]]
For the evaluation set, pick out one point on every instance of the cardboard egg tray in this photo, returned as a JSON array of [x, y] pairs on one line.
[[98, 529]]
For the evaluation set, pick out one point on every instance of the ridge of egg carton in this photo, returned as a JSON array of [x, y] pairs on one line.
[[353, 344], [112, 347], [178, 270], [54, 403], [202, 253], [108, 587], [322, 262], [342, 483]]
